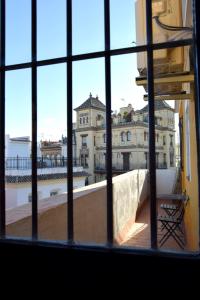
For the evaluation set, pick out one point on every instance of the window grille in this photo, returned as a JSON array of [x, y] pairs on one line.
[[69, 59]]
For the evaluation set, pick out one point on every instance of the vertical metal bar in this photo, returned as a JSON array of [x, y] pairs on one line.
[[152, 161], [70, 210], [108, 124], [34, 120], [196, 21], [2, 118]]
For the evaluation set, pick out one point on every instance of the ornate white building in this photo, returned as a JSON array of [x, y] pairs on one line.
[[129, 138]]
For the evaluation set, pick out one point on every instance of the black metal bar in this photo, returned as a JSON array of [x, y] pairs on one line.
[[113, 52], [152, 160], [70, 210], [144, 252], [2, 118], [34, 120], [108, 124], [196, 22]]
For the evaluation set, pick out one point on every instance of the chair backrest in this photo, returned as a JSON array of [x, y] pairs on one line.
[[183, 204]]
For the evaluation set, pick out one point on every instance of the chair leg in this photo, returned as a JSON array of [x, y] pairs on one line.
[[171, 231]]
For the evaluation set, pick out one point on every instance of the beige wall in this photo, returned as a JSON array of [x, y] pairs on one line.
[[190, 185], [89, 217], [137, 145], [129, 191], [92, 117]]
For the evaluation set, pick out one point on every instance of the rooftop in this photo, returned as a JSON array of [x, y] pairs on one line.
[[159, 105], [20, 139], [91, 102]]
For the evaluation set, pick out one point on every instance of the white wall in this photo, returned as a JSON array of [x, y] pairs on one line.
[[64, 150], [11, 198], [17, 148], [165, 180], [17, 194]]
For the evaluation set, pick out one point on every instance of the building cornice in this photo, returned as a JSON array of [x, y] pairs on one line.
[[86, 129], [134, 124], [124, 125]]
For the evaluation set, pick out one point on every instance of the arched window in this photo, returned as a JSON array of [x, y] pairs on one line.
[[128, 136], [164, 140], [80, 120], [83, 120], [123, 136], [104, 138]]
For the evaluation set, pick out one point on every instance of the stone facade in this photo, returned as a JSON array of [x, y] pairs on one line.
[[129, 138]]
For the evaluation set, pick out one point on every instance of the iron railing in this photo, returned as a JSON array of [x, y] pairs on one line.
[[120, 168], [25, 163]]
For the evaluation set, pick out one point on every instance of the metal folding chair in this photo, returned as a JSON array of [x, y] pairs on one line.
[[172, 209], [172, 226]]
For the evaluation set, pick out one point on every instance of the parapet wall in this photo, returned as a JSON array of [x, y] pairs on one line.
[[90, 211]]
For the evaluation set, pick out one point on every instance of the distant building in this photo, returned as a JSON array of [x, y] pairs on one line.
[[129, 138], [52, 170], [17, 146]]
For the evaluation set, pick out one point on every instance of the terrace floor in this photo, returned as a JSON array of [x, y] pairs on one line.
[[139, 234]]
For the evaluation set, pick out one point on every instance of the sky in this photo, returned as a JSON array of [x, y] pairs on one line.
[[88, 76]]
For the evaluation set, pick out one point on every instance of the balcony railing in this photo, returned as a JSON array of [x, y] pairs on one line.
[[24, 163], [120, 168], [84, 145]]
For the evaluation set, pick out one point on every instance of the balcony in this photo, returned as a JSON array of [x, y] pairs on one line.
[[84, 145], [19, 169], [130, 206], [84, 150]]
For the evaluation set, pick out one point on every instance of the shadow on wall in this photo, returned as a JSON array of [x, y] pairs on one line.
[[130, 191]]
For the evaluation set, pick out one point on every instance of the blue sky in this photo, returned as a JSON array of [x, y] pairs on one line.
[[88, 76]]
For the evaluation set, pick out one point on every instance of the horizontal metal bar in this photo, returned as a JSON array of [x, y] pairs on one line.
[[99, 54], [172, 44], [98, 248]]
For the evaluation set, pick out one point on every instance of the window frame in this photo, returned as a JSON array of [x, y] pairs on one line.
[[123, 136], [149, 47], [128, 134], [104, 138]]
